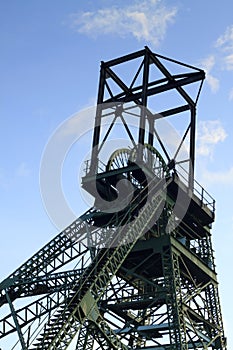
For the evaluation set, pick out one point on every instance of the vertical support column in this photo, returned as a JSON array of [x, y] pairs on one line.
[[142, 126], [151, 130], [192, 146], [21, 339], [150, 140], [215, 316], [96, 136], [85, 339], [174, 300]]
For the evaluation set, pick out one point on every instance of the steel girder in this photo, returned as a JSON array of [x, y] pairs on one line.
[[138, 91], [132, 302], [158, 290]]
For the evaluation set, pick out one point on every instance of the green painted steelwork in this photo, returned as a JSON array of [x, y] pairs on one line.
[[158, 288]]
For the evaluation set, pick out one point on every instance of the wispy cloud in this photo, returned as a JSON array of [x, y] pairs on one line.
[[225, 43], [225, 40], [231, 95], [8, 177], [218, 177], [209, 133], [221, 59], [78, 124], [207, 64], [144, 20], [229, 62], [23, 170]]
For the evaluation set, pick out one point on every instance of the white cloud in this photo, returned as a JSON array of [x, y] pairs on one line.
[[225, 43], [82, 120], [145, 21], [229, 62], [223, 59], [213, 82], [231, 95], [209, 133], [23, 170], [207, 64], [218, 177]]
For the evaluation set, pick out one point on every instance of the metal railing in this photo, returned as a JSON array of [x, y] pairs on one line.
[[206, 199]]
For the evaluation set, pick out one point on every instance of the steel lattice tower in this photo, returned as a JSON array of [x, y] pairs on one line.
[[144, 275]]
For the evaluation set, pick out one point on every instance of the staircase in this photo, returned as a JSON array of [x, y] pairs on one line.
[[81, 303]]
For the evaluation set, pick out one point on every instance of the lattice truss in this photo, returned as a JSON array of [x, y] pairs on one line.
[[141, 277], [112, 299]]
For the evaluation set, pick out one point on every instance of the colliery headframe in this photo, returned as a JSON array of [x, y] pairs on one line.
[[143, 271]]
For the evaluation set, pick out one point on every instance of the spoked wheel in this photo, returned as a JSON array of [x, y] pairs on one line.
[[133, 188], [153, 160], [119, 159], [125, 160]]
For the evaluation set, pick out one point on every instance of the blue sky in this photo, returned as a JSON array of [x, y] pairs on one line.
[[49, 69]]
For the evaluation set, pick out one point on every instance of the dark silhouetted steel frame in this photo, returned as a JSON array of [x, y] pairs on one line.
[[157, 291]]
